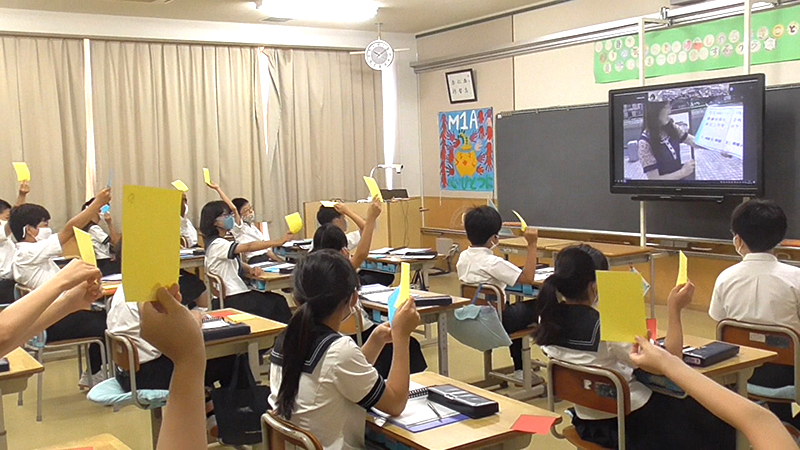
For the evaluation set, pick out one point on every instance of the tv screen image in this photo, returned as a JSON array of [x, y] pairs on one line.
[[689, 138]]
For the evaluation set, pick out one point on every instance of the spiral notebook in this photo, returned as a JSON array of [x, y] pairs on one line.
[[420, 413]]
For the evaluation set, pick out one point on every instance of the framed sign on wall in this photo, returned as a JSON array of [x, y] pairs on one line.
[[461, 86]]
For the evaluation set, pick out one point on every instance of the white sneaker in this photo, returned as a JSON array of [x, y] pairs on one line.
[[535, 379], [87, 380]]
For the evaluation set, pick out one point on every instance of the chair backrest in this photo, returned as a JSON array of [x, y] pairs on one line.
[[776, 338], [217, 288], [276, 433], [591, 387], [485, 295]]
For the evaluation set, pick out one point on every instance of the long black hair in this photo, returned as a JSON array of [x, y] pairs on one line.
[[574, 272], [330, 236], [323, 282], [208, 219], [653, 125]]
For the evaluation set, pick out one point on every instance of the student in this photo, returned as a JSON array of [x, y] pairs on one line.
[[762, 428], [337, 216], [660, 145], [245, 230], [33, 266], [760, 289], [188, 232], [569, 330], [331, 237], [74, 288], [103, 243], [7, 247], [223, 260], [320, 380], [172, 330], [478, 264]]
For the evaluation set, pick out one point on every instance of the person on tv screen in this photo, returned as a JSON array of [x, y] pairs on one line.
[[660, 145]]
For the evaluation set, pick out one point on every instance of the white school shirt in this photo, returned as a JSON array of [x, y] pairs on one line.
[[7, 249], [223, 262], [353, 239], [479, 265], [101, 242], [759, 289], [33, 261], [247, 232], [188, 231], [123, 319], [610, 355], [328, 399]]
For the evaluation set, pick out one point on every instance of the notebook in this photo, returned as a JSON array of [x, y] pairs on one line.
[[378, 293], [418, 415]]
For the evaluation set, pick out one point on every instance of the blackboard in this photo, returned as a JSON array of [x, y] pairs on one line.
[[553, 168]]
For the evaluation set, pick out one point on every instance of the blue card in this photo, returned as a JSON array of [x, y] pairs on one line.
[[110, 178], [391, 304], [105, 209]]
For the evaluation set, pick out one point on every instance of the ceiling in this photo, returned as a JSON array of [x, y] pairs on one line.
[[402, 16]]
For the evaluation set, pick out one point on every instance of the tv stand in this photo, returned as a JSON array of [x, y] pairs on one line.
[[678, 198]]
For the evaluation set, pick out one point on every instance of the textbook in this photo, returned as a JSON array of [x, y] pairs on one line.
[[215, 328], [421, 413], [378, 293]]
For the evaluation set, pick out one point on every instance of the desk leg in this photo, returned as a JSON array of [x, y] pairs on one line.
[[741, 387], [3, 432], [252, 358], [444, 365]]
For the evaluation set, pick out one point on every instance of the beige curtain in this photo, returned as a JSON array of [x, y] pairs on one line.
[[43, 121], [324, 123], [164, 111]]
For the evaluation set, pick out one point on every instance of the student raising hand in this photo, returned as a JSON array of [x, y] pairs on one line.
[[172, 329]]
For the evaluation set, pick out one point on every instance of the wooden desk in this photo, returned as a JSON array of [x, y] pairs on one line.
[[269, 281], [262, 336], [195, 262], [99, 442], [427, 315], [23, 366], [472, 433]]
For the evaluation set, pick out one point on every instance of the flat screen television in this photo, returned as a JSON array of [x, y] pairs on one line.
[[709, 138]]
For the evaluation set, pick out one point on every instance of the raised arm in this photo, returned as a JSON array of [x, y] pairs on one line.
[[680, 297], [529, 271], [762, 428], [345, 210], [22, 195], [112, 231], [395, 396], [228, 202], [362, 251], [79, 221]]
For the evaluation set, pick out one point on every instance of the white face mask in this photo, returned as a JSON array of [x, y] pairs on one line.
[[737, 249], [44, 233], [249, 218]]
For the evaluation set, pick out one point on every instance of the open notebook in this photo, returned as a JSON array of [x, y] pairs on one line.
[[419, 414]]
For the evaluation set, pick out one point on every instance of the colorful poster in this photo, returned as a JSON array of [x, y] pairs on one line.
[[466, 141], [775, 37]]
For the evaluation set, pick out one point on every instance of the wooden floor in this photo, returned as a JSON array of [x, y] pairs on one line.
[[69, 416]]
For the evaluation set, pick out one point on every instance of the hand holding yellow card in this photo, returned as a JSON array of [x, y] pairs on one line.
[[152, 250], [295, 222], [180, 185], [23, 173], [207, 176], [374, 190], [85, 247], [621, 305], [405, 284], [683, 269], [523, 225]]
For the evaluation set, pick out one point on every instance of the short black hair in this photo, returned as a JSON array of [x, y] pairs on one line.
[[86, 205], [481, 223], [327, 215], [4, 206], [24, 215], [331, 237], [208, 218], [239, 203], [760, 223]]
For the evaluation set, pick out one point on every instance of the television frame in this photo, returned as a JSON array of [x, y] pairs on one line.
[[672, 190]]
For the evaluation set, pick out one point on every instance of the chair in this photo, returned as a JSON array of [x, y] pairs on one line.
[[779, 339], [217, 288], [184, 242], [39, 346], [591, 387], [110, 393], [276, 433], [489, 374]]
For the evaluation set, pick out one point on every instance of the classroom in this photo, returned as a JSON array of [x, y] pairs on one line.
[[288, 176]]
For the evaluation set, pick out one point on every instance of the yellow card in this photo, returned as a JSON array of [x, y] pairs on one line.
[[180, 185], [327, 204], [239, 318], [85, 247], [374, 190], [621, 305], [523, 225], [206, 175], [295, 222], [405, 285], [152, 250], [23, 173], [683, 269]]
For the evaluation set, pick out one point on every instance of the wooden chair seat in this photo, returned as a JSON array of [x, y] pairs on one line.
[[571, 435], [522, 333]]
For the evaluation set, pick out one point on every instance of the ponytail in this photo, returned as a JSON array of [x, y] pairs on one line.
[[550, 311], [296, 344]]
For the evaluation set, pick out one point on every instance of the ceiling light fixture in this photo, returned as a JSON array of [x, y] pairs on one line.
[[341, 11]]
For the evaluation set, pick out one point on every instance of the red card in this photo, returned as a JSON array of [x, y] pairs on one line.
[[652, 327], [534, 424]]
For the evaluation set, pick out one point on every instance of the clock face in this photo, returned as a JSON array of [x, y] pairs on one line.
[[379, 54]]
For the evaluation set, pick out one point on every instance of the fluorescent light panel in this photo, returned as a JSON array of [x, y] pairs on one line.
[[342, 11]]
